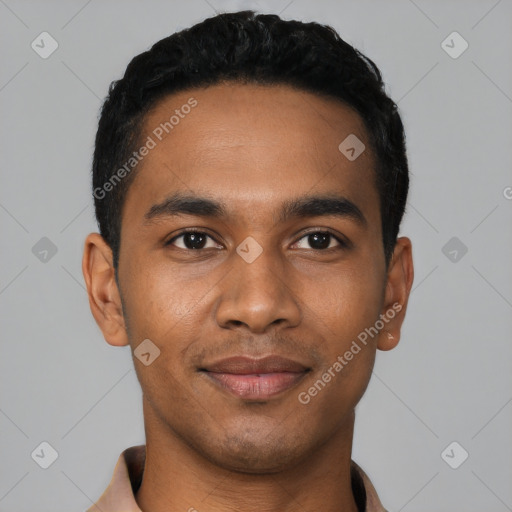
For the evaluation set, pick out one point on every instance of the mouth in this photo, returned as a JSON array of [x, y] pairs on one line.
[[255, 379]]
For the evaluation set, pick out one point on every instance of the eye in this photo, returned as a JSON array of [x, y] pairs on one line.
[[321, 240], [193, 240]]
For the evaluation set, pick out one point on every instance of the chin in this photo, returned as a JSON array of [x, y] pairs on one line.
[[256, 452], [250, 458]]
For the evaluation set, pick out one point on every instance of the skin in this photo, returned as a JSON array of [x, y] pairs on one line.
[[251, 147]]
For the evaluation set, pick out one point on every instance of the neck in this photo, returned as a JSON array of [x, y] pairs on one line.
[[177, 478]]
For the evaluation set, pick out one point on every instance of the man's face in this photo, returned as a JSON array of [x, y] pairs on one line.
[[202, 298]]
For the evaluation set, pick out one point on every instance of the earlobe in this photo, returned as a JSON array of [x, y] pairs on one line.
[[102, 289], [398, 287]]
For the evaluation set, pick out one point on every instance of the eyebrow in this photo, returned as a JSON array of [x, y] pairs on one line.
[[302, 207]]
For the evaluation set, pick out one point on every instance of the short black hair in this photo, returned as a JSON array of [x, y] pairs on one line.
[[245, 47]]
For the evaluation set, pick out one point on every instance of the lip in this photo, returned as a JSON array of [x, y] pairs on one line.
[[243, 365], [256, 379]]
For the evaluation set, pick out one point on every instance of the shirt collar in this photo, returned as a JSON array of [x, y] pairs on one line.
[[119, 495]]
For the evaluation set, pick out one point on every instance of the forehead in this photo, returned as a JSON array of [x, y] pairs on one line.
[[251, 144]]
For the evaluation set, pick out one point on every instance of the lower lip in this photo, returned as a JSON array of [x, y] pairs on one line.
[[256, 387]]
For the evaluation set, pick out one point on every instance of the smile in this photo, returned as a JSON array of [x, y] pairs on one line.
[[256, 379], [256, 386]]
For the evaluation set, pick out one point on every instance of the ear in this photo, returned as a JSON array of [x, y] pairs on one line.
[[104, 296], [398, 287]]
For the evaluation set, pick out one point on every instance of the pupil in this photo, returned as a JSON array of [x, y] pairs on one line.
[[319, 240], [195, 240]]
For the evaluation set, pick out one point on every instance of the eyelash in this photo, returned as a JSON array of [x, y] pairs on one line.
[[341, 242]]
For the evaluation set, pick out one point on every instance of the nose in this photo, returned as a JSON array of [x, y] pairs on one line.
[[257, 295]]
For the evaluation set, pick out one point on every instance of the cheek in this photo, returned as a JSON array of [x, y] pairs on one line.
[[348, 308], [161, 302], [165, 312], [359, 309], [345, 380], [350, 302]]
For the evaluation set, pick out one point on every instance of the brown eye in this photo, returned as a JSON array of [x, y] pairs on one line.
[[192, 240], [321, 240]]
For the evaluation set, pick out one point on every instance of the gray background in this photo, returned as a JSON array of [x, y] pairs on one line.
[[450, 377]]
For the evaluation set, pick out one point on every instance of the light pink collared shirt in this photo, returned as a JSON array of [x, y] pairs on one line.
[[119, 497]]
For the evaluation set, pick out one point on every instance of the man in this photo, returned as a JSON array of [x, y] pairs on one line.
[[249, 179]]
